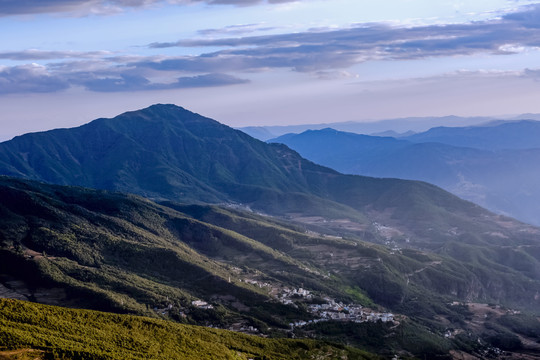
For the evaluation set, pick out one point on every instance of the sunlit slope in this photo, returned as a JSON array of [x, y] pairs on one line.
[[83, 334]]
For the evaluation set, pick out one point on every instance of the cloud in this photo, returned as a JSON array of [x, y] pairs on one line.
[[332, 75], [107, 74], [528, 18], [84, 7], [244, 2], [208, 80], [31, 78], [313, 51], [324, 53], [33, 54], [236, 30], [21, 7], [130, 82]]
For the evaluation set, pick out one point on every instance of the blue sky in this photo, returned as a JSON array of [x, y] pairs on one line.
[[255, 62]]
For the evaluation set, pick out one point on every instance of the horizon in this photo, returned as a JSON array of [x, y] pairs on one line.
[[266, 63], [408, 123]]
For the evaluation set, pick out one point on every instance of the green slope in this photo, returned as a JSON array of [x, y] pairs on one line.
[[123, 253], [82, 334], [95, 249]]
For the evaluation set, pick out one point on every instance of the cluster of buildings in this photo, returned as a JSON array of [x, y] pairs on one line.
[[202, 304], [351, 312], [256, 283], [331, 310], [196, 303], [286, 296], [163, 311], [340, 312]]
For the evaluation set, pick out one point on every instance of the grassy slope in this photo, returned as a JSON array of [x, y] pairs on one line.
[[84, 334]]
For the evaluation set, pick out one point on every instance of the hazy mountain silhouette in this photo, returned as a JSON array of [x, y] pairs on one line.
[[399, 126], [522, 134], [504, 181]]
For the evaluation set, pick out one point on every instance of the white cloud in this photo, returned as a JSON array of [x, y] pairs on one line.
[[30, 78]]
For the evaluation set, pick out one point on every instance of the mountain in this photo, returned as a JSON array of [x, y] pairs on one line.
[[95, 249], [527, 116], [343, 151], [504, 181], [198, 237], [165, 152], [120, 253], [518, 134], [401, 125], [197, 249]]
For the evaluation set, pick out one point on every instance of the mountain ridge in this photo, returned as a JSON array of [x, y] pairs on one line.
[[400, 125], [486, 176], [189, 158], [192, 158], [496, 135]]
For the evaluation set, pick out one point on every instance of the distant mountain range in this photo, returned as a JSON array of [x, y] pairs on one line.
[[496, 135], [390, 127], [493, 165]]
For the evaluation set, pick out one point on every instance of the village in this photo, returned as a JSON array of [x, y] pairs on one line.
[[323, 309], [330, 310]]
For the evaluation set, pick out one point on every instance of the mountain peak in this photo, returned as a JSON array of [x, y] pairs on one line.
[[164, 108], [159, 112]]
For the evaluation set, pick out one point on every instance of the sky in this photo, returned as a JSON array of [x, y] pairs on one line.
[[64, 63]]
